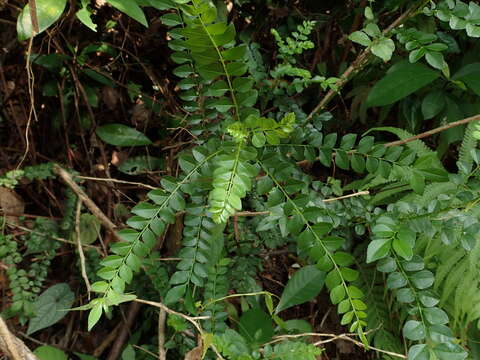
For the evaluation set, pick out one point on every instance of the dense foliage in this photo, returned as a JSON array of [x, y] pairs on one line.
[[387, 231]]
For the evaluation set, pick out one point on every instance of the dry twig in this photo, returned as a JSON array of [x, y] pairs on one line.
[[162, 353], [434, 131], [13, 346], [334, 337], [67, 178], [117, 346], [361, 60], [80, 249]]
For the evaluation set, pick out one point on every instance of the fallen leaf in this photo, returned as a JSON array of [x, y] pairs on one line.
[[110, 97], [11, 204], [195, 353]]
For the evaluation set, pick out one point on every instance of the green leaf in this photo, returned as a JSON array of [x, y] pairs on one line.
[[358, 163], [121, 135], [387, 265], [378, 249], [435, 59], [85, 15], [337, 294], [400, 81], [433, 104], [51, 306], [48, 11], [436, 316], [422, 279], [470, 75], [137, 165], [256, 326], [128, 353], [414, 330], [304, 285], [417, 182], [383, 48], [175, 294], [396, 280], [402, 248], [94, 315], [130, 8], [89, 229], [418, 352], [47, 352], [405, 295], [450, 351], [341, 160], [360, 37], [258, 139]]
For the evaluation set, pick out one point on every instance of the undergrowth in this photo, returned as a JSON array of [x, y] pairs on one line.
[[388, 231]]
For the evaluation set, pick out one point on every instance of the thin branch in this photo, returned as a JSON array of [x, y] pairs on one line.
[[359, 343], [67, 178], [334, 337], [13, 346], [360, 193], [434, 131], [252, 213], [190, 319], [13, 225], [117, 346], [116, 181], [7, 339], [80, 249], [162, 353], [32, 4], [361, 60]]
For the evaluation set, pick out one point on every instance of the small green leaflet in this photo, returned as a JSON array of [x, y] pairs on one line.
[[304, 285], [256, 326], [401, 80], [470, 75], [122, 135], [51, 306], [47, 352], [85, 15], [131, 8], [48, 11], [89, 229]]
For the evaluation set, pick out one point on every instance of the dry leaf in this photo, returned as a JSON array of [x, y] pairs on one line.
[[140, 113], [11, 204], [195, 353], [118, 157], [110, 97]]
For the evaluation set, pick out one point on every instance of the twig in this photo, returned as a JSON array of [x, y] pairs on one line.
[[117, 346], [361, 60], [434, 131], [67, 178], [7, 340], [252, 213], [190, 319], [108, 340], [359, 343], [80, 249], [49, 235], [13, 346], [256, 213], [116, 181], [360, 193], [32, 4], [162, 354], [333, 337], [145, 350]]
